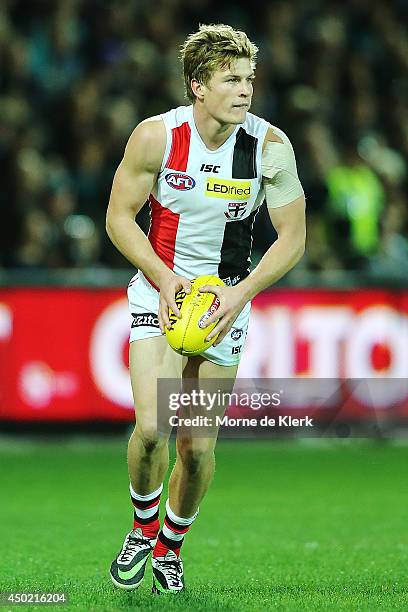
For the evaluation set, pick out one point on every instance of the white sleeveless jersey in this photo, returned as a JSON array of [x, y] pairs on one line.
[[204, 203]]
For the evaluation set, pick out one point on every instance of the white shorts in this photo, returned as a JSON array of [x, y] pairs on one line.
[[144, 308]]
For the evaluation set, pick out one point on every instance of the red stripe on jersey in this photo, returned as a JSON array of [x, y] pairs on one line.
[[180, 147], [162, 233]]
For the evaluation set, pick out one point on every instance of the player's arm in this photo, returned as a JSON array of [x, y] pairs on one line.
[[132, 184], [283, 255]]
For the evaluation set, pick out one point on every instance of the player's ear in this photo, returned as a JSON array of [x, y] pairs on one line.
[[197, 88]]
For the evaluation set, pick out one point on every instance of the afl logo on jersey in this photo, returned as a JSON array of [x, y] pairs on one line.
[[180, 181]]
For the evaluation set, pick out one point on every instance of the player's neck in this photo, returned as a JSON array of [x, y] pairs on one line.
[[211, 132]]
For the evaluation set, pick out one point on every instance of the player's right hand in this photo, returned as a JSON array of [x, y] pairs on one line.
[[169, 284]]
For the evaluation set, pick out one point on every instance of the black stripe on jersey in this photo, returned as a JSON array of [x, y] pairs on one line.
[[236, 247], [244, 160], [237, 242]]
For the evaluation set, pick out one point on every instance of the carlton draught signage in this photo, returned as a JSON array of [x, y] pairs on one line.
[[63, 353]]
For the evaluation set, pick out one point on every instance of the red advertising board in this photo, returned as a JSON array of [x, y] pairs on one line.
[[63, 352]]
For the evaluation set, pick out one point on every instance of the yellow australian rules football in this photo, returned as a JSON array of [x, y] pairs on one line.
[[187, 335]]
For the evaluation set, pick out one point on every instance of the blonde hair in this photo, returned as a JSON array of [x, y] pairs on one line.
[[211, 48]]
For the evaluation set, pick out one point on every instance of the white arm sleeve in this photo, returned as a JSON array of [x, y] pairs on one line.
[[280, 179]]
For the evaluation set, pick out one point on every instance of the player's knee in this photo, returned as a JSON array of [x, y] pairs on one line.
[[150, 439], [195, 458]]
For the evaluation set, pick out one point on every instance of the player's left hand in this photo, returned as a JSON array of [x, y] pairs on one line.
[[230, 306]]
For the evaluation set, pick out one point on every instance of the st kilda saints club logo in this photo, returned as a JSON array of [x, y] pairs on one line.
[[236, 210], [236, 333]]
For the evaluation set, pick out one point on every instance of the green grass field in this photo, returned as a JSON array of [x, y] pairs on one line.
[[285, 526]]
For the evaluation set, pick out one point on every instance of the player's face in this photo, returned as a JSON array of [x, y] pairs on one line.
[[228, 94]]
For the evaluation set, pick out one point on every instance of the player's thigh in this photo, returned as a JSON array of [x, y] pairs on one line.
[[151, 359], [224, 374], [201, 374], [214, 384], [219, 381]]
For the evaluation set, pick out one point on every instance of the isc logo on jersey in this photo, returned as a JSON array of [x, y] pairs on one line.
[[227, 190], [179, 181]]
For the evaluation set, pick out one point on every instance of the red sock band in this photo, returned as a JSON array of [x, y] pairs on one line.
[[149, 530], [161, 548]]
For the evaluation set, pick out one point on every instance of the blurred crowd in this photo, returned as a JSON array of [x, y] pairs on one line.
[[76, 76]]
